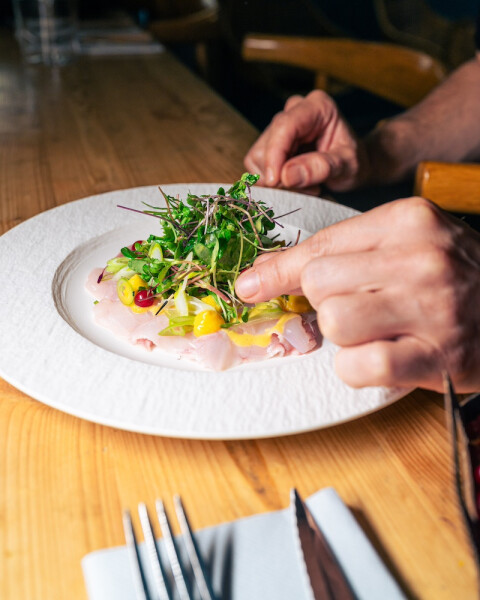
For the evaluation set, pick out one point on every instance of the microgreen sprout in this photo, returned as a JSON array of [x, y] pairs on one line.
[[206, 242]]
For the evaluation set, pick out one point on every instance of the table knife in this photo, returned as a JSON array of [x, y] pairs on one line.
[[463, 420], [326, 578]]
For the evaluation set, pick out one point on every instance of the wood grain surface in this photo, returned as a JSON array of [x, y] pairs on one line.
[[104, 124], [453, 186]]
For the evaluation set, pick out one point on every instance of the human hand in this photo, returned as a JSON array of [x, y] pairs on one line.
[[397, 288], [336, 157]]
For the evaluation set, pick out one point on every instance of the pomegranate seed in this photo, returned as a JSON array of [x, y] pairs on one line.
[[144, 298]]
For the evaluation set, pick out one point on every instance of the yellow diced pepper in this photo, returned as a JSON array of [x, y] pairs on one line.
[[137, 282], [207, 322], [298, 304], [211, 301]]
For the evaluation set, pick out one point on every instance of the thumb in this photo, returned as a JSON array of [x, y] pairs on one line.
[[268, 278], [281, 272]]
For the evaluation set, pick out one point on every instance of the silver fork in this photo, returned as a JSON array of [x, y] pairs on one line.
[[159, 589]]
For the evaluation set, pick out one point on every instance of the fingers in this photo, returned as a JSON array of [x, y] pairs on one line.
[[310, 168], [282, 273], [255, 158], [405, 362], [303, 121], [302, 124], [264, 257], [395, 288], [359, 318], [267, 279], [369, 270], [402, 224], [293, 101]]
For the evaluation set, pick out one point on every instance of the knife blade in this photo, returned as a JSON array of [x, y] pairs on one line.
[[463, 423], [326, 578]]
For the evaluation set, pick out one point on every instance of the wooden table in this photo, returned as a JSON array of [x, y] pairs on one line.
[[105, 124]]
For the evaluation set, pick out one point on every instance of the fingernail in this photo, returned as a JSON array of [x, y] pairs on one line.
[[269, 176], [295, 175], [248, 284]]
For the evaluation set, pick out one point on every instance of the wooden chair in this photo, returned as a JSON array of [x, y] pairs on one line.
[[453, 186], [393, 72], [183, 22], [419, 25], [196, 27]]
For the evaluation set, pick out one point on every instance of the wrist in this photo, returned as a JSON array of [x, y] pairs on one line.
[[390, 154]]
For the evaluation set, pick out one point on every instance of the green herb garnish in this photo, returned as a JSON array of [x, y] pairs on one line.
[[207, 241]]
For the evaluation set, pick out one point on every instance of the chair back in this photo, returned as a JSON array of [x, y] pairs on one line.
[[390, 71], [452, 186]]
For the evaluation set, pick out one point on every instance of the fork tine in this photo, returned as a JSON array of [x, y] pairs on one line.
[[195, 560], [139, 582], [161, 591], [172, 552]]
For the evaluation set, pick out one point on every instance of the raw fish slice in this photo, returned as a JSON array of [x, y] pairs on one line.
[[214, 351], [107, 289], [173, 344], [301, 335], [119, 319], [217, 351]]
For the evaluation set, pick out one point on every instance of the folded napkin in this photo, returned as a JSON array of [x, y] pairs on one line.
[[256, 558]]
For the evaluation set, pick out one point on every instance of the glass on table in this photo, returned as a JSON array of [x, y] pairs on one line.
[[46, 30]]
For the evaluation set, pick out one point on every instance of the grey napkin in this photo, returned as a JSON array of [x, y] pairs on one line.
[[256, 558]]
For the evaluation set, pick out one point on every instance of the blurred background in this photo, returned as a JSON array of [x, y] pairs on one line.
[[207, 35]]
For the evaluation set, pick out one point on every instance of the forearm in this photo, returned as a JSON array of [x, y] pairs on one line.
[[445, 126]]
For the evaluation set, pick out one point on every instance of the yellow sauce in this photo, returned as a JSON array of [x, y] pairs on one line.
[[139, 309], [143, 309], [262, 339]]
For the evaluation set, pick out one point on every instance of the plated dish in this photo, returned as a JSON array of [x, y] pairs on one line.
[[54, 352], [175, 290]]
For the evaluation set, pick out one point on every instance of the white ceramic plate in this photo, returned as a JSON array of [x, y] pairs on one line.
[[52, 351]]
